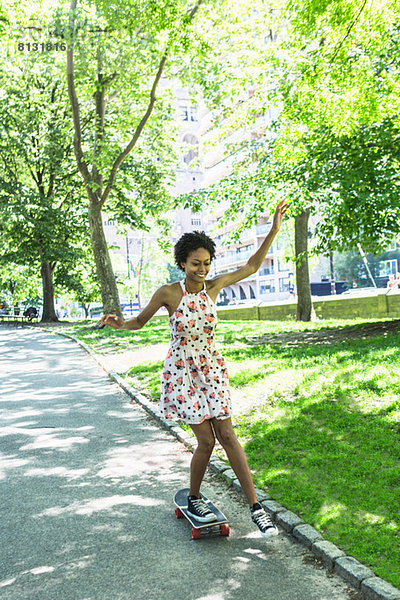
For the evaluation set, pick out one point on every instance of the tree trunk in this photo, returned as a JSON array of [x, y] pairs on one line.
[[86, 308], [49, 312], [104, 270], [305, 310]]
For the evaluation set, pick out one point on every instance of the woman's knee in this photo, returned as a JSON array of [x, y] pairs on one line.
[[206, 444], [226, 435], [205, 438]]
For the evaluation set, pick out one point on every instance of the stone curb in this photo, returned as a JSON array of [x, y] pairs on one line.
[[327, 552], [262, 495], [306, 535], [288, 520], [353, 571], [348, 568], [375, 588], [273, 507], [217, 466]]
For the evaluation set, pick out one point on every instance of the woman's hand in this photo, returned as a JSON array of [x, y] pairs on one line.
[[111, 321], [279, 214]]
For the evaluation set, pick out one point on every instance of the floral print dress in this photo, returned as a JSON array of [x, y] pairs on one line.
[[195, 383]]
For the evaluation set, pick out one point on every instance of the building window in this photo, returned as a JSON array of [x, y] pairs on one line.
[[283, 266], [193, 113], [284, 284], [387, 267], [196, 222], [191, 140], [244, 249], [268, 287], [267, 270], [185, 112], [189, 113]]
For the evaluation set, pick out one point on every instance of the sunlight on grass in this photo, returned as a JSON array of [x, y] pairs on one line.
[[329, 513]]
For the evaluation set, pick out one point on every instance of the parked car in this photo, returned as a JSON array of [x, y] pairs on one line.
[[31, 312]]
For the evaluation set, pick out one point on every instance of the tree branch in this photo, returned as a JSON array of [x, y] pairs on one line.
[[138, 131], [107, 81], [354, 21], [51, 186], [100, 108], [82, 166], [195, 9], [40, 185], [121, 157], [68, 195], [110, 97]]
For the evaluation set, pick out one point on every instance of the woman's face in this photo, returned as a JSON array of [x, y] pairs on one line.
[[198, 264]]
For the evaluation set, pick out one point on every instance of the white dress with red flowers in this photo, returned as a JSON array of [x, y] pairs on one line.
[[195, 383]]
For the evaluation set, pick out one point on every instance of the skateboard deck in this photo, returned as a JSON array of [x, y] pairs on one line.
[[221, 523]]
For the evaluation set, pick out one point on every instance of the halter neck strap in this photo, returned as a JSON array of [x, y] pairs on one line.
[[183, 281]]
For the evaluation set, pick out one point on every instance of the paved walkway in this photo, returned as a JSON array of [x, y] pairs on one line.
[[87, 482]]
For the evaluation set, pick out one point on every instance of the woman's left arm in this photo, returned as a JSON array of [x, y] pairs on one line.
[[255, 261]]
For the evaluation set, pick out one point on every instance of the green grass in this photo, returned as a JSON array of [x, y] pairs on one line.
[[148, 375], [326, 445], [326, 441], [330, 450]]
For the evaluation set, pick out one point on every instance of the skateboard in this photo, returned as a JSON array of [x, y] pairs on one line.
[[221, 523]]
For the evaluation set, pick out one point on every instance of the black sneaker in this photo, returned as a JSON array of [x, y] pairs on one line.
[[199, 509], [263, 521]]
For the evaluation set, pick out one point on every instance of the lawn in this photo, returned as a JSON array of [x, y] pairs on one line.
[[329, 448], [325, 441]]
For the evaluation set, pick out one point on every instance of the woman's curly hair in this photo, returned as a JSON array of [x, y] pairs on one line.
[[190, 242]]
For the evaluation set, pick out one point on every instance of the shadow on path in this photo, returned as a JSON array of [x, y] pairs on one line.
[[87, 482]]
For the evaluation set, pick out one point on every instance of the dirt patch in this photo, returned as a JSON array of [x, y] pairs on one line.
[[328, 336]]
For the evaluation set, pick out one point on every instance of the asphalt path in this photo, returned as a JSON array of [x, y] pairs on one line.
[[87, 481]]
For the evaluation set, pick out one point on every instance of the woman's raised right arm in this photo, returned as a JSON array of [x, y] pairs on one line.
[[159, 299]]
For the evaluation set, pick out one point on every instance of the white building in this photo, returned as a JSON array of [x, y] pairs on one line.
[[274, 280]]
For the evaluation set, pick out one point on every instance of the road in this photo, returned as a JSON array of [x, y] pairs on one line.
[[87, 481]]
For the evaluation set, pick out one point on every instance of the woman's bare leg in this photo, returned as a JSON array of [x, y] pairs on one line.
[[206, 441], [236, 456]]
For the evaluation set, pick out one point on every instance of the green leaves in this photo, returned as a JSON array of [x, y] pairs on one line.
[[331, 72], [42, 217], [340, 62], [356, 179]]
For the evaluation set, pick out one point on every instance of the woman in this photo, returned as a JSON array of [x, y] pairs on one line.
[[195, 384]]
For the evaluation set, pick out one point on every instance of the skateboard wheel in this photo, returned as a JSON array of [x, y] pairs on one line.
[[178, 513], [224, 529], [196, 534]]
